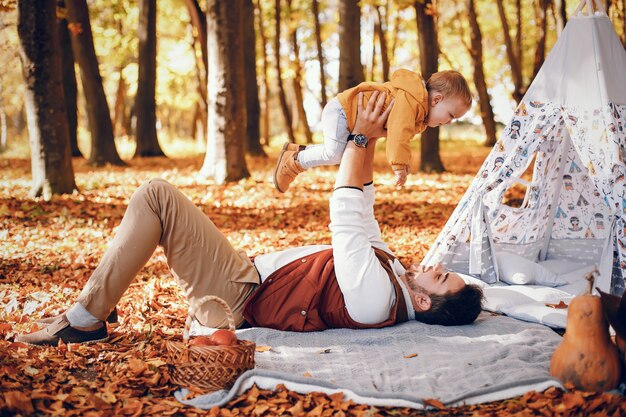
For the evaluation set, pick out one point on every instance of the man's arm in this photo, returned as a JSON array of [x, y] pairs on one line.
[[372, 118], [350, 174], [359, 274]]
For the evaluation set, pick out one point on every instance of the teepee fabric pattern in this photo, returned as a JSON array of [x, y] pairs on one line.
[[569, 130]]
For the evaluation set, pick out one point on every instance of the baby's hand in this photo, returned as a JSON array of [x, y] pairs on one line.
[[401, 175]]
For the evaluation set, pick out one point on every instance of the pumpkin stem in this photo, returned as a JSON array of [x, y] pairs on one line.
[[591, 277]]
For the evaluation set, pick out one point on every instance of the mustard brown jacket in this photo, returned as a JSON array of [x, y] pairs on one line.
[[407, 118]]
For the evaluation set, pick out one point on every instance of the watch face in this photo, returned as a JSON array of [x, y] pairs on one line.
[[360, 140]]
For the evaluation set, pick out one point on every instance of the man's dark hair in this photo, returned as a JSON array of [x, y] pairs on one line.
[[455, 309]]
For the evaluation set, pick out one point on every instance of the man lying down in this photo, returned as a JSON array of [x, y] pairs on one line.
[[356, 283]]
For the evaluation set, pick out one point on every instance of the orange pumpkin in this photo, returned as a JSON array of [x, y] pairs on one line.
[[586, 357]]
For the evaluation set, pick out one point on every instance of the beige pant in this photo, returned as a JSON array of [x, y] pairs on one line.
[[199, 255]]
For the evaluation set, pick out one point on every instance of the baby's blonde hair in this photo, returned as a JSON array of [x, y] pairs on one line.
[[450, 84]]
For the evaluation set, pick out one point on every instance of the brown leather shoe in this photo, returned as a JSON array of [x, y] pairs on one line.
[[60, 329], [287, 167], [112, 319], [293, 147]]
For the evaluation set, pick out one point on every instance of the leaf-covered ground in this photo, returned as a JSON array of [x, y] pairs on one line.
[[49, 249]]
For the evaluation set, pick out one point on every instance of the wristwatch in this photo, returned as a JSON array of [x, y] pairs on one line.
[[359, 139]]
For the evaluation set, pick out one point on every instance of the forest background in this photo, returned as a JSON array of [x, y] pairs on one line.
[[97, 97], [172, 77]]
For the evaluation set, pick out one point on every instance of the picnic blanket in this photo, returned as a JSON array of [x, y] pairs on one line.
[[495, 358]]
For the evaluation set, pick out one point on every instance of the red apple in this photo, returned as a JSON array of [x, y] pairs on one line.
[[202, 341], [224, 337]]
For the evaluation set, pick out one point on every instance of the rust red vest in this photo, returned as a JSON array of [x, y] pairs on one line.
[[304, 296]]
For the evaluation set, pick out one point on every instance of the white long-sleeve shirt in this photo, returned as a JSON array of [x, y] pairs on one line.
[[365, 285]]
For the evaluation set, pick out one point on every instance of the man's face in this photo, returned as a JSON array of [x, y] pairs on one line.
[[443, 110], [433, 280]]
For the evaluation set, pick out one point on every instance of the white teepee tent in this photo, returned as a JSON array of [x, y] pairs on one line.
[[572, 125]]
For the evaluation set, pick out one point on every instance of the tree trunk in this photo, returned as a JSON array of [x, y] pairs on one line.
[[541, 25], [102, 142], [198, 127], [119, 107], [623, 23], [266, 87], [514, 62], [320, 54], [394, 36], [350, 67], [51, 160], [4, 134], [519, 50], [201, 86], [18, 119], [279, 77], [429, 54], [476, 52], [4, 129], [225, 158], [68, 76], [145, 102], [253, 108], [380, 31], [373, 61], [302, 119], [198, 21], [297, 82], [560, 15]]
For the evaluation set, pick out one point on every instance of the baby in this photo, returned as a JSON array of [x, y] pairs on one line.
[[416, 106]]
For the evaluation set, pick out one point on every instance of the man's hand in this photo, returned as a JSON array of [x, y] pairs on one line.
[[371, 119], [356, 167]]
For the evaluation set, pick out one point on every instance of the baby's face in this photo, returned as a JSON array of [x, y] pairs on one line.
[[443, 110]]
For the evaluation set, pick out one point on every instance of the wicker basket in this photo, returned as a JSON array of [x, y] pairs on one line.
[[209, 368]]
